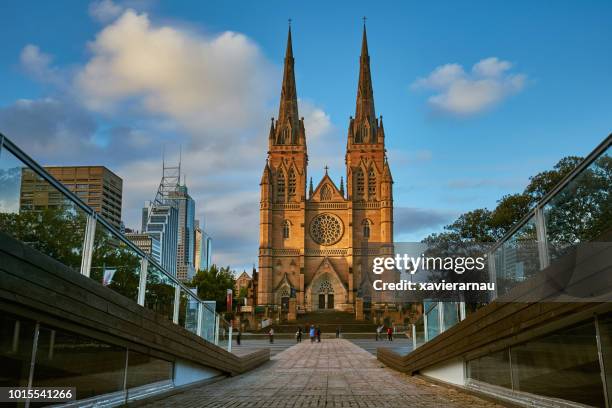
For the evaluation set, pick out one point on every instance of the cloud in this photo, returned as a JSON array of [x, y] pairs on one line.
[[104, 11], [38, 65], [409, 220], [460, 93]]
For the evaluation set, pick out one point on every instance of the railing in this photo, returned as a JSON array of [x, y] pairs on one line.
[[577, 210], [41, 212]]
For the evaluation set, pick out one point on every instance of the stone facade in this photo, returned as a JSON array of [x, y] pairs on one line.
[[313, 243]]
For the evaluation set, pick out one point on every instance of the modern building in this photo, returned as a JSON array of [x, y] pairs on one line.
[[185, 256], [312, 241], [197, 245], [203, 248], [97, 186], [162, 225], [149, 244]]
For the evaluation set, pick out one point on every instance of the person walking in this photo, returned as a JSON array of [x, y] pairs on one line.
[[390, 333], [338, 332], [312, 333], [378, 332], [238, 335], [298, 335], [318, 334], [271, 334]]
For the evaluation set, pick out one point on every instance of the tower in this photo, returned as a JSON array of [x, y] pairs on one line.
[[283, 187]]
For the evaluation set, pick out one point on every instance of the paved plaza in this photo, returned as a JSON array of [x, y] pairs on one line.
[[334, 373]]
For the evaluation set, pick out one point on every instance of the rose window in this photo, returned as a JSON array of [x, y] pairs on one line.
[[326, 229]]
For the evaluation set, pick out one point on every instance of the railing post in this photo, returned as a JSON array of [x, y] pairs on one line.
[[88, 243], [441, 317], [414, 341], [142, 284], [177, 304], [229, 339], [462, 310], [200, 317], [492, 273], [425, 331], [216, 329], [542, 238]]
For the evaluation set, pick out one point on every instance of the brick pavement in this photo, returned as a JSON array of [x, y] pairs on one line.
[[334, 373]]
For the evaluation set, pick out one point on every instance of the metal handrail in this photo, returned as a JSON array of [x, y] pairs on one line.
[[605, 144], [41, 172]]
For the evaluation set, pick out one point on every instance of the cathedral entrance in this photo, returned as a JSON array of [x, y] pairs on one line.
[[326, 301]]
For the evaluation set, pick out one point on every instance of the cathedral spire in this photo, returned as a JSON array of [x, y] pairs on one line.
[[365, 94], [288, 110]]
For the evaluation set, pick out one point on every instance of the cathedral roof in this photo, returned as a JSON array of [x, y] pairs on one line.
[[327, 191]]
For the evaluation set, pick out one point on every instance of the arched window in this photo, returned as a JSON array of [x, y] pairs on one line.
[[326, 193], [284, 135], [286, 227], [280, 186], [371, 183], [359, 183], [291, 183], [366, 229]]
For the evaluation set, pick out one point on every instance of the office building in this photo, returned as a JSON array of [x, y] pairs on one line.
[[149, 244]]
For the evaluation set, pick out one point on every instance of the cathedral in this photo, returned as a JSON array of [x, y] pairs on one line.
[[315, 241]]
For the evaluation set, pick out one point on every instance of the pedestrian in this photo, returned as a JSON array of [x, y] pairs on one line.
[[298, 335], [378, 332], [338, 332], [312, 333], [390, 333], [271, 334], [318, 334], [238, 335]]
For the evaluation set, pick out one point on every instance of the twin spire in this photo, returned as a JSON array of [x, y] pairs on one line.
[[288, 129]]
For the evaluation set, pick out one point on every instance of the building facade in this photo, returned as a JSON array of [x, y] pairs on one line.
[[185, 256], [149, 244], [314, 243], [162, 224], [97, 186]]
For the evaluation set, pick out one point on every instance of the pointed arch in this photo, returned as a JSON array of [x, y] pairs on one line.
[[371, 183], [292, 183], [366, 224], [280, 185], [326, 193], [286, 229], [359, 183]]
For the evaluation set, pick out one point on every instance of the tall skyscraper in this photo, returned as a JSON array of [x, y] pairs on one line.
[[97, 186], [186, 235], [162, 224], [203, 248]]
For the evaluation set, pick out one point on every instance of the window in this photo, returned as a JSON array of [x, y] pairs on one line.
[[326, 193], [366, 229], [291, 183], [372, 183], [280, 186], [286, 229], [359, 183]]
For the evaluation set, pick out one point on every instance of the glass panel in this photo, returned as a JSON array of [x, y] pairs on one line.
[[493, 369], [159, 295], [419, 332], [114, 264], [144, 369], [183, 307], [433, 322], [582, 210], [605, 335], [208, 322], [517, 258], [35, 212], [65, 358], [451, 314], [223, 333], [562, 365], [191, 316], [16, 336]]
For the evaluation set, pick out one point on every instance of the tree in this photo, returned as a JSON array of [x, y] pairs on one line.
[[213, 283]]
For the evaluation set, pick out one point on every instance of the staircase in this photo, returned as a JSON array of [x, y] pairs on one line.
[[328, 321]]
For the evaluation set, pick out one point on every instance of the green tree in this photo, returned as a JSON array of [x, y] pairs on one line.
[[213, 283]]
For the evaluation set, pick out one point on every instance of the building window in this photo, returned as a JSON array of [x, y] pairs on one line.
[[371, 183], [326, 193], [291, 183], [280, 186], [286, 229], [359, 183], [366, 229]]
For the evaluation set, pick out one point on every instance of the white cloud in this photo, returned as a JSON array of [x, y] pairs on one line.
[[105, 11], [459, 93]]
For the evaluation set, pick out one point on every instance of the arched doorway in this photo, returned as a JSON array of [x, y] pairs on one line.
[[325, 295]]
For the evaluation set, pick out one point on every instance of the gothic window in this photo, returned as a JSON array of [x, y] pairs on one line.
[[326, 193], [366, 229], [326, 229], [280, 186], [371, 183], [359, 183], [325, 286], [291, 183], [284, 292], [286, 226]]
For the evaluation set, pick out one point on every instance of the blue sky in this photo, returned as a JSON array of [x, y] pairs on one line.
[[112, 80]]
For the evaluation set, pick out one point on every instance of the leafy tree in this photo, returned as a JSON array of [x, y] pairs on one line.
[[213, 283]]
